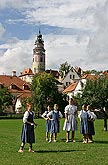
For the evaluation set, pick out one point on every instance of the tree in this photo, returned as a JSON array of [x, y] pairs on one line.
[[96, 93], [64, 68], [5, 99], [45, 91]]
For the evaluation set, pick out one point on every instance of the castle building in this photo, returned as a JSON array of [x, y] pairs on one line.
[[38, 64]]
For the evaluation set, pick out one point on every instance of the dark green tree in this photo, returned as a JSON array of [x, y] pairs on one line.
[[64, 68], [96, 93], [44, 91], [6, 99]]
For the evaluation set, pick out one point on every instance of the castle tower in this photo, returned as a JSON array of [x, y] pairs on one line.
[[38, 64]]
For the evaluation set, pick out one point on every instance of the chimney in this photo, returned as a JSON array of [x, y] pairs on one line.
[[13, 73]]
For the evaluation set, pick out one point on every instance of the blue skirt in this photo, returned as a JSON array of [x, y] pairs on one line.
[[55, 127], [28, 135], [48, 125]]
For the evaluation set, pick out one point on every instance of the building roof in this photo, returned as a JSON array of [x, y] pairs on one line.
[[71, 87], [55, 73], [105, 73], [89, 76], [14, 84], [26, 71]]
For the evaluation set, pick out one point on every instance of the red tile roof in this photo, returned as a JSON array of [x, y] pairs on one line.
[[8, 81], [71, 87], [27, 71], [89, 76], [105, 73]]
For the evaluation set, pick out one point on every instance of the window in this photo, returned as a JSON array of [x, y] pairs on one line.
[[41, 59], [26, 87], [66, 83], [73, 76]]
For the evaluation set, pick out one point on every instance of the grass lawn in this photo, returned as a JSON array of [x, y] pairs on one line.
[[59, 153]]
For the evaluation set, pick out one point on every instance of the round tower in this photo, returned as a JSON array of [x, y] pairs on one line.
[[38, 64]]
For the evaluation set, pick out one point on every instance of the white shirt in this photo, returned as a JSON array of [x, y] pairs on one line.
[[70, 109], [91, 115], [26, 114], [51, 112]]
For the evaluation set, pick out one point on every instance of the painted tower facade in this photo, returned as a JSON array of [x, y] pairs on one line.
[[38, 64]]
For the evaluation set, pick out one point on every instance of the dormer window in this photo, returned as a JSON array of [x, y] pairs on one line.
[[26, 87], [12, 86]]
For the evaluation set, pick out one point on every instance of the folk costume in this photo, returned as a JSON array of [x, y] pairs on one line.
[[27, 135], [48, 123], [70, 123], [83, 115], [91, 130], [55, 117]]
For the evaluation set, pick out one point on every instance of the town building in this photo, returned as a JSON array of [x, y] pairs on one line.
[[18, 88]]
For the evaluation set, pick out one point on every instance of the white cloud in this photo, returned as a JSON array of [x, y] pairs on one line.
[[60, 48], [13, 4], [98, 44], [88, 48], [18, 56]]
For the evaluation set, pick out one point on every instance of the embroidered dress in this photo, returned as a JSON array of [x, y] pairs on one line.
[[27, 135], [84, 122], [48, 122], [72, 121], [55, 124]]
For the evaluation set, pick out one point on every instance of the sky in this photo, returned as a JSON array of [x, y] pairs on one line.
[[75, 31]]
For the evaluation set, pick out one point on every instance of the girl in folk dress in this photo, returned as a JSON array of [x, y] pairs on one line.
[[91, 119], [48, 122], [27, 135], [70, 123], [83, 115], [55, 116]]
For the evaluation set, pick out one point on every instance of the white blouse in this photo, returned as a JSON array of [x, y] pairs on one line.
[[26, 114], [51, 112], [70, 109]]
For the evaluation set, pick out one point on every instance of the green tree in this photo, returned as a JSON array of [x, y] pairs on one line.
[[96, 93], [44, 91], [64, 68], [5, 99]]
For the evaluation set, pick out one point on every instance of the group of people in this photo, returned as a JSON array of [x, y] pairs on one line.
[[53, 117], [87, 118]]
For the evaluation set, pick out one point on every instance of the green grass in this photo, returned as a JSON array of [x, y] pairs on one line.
[[59, 153]]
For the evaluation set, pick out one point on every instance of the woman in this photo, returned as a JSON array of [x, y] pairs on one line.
[[83, 115], [70, 123], [55, 116], [91, 119], [27, 135], [48, 122]]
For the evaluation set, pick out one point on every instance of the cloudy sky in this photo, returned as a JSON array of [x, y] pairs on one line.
[[75, 31]]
